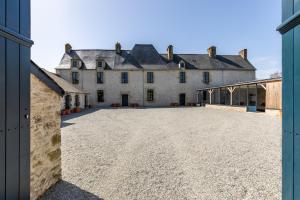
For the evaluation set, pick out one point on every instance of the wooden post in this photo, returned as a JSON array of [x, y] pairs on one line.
[[231, 90], [239, 95], [210, 94], [256, 96], [247, 96]]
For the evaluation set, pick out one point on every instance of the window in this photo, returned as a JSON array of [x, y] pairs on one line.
[[150, 77], [100, 64], [75, 77], [206, 77], [150, 95], [100, 96], [124, 77], [181, 64], [75, 63], [181, 77], [100, 77]]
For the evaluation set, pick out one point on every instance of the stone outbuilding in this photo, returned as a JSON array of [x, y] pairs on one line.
[[73, 97], [45, 135]]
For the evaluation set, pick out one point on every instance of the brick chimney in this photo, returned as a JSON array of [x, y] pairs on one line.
[[244, 54], [212, 52], [118, 48], [68, 48], [170, 52]]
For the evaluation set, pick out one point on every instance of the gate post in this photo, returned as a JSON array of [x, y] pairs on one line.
[[290, 31], [15, 46]]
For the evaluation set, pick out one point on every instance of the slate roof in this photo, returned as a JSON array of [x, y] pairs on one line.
[[47, 80], [145, 56], [65, 85]]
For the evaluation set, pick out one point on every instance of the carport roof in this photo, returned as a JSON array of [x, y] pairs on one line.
[[261, 81]]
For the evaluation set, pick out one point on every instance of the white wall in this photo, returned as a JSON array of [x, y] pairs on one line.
[[166, 85]]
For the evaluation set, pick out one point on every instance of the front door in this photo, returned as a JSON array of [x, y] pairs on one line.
[[182, 99], [124, 100]]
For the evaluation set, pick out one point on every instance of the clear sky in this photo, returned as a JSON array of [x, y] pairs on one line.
[[190, 25]]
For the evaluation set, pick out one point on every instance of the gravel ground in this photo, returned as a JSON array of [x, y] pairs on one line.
[[170, 153]]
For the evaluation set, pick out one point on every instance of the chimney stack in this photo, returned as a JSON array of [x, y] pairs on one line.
[[244, 54], [170, 52], [118, 48], [68, 48], [212, 52]]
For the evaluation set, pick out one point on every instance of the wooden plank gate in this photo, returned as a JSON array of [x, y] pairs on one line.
[[290, 31], [14, 99]]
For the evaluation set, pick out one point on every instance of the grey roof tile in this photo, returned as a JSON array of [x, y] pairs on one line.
[[65, 85], [145, 56]]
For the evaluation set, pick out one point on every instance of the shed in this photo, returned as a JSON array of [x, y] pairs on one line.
[[45, 136], [258, 95], [73, 97]]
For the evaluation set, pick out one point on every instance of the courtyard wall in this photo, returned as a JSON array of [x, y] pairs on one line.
[[45, 152]]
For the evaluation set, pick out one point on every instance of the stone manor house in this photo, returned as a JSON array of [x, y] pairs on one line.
[[144, 77]]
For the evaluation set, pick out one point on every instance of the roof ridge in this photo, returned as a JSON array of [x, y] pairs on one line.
[[98, 50]]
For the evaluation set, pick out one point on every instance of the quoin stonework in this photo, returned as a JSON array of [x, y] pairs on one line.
[[144, 77]]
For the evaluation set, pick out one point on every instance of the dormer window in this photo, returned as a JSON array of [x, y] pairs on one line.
[[181, 64], [76, 63], [101, 64]]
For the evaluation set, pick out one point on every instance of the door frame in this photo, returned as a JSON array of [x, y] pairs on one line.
[[181, 95], [123, 95]]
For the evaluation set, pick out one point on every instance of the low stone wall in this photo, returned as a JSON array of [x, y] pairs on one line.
[[45, 141], [223, 107]]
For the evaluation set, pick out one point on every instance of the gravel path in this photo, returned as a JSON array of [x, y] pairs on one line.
[[170, 153]]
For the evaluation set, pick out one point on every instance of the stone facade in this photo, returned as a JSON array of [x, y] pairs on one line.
[[81, 67], [45, 152], [166, 84]]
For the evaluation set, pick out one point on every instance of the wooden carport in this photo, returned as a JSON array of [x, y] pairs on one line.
[[256, 95]]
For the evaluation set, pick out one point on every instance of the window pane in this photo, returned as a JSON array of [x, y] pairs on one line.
[[100, 77], [150, 95], [149, 77], [124, 77], [75, 77], [182, 77]]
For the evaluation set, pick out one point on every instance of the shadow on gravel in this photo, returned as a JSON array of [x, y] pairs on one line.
[[67, 191], [65, 124]]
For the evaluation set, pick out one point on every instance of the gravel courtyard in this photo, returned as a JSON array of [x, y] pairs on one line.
[[170, 153]]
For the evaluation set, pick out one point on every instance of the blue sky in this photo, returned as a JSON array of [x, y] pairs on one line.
[[190, 25]]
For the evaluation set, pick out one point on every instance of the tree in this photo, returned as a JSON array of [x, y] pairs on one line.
[[276, 75]]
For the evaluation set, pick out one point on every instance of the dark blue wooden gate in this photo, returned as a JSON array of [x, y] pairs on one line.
[[290, 29], [14, 99]]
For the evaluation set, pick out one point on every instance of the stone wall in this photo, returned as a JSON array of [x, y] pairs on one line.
[[45, 141], [166, 85]]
